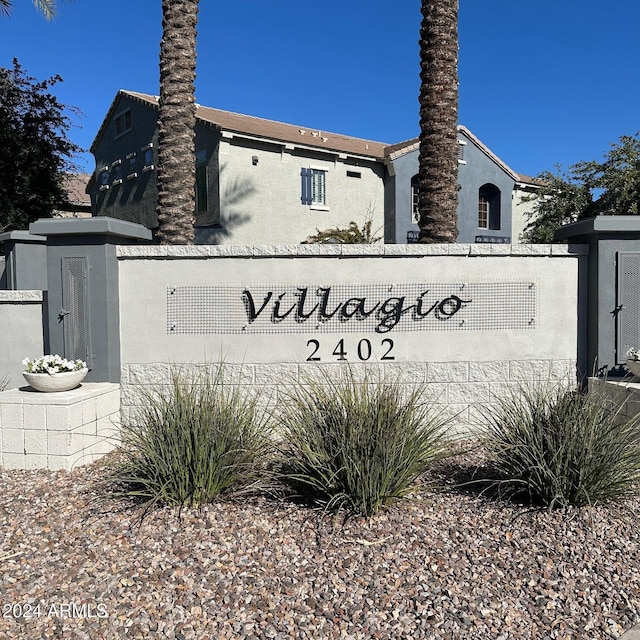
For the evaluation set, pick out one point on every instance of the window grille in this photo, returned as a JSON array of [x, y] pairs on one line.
[[75, 313], [628, 304], [483, 211]]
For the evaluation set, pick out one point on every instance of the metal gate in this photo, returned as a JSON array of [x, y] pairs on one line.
[[628, 304], [74, 314]]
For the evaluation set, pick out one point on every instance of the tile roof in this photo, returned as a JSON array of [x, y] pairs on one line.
[[529, 181], [279, 131], [303, 136], [75, 185], [394, 151]]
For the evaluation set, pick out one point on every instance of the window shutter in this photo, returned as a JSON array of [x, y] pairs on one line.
[[306, 188]]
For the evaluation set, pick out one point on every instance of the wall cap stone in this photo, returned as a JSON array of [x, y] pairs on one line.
[[20, 296], [21, 237], [85, 391], [600, 224], [99, 225], [152, 252]]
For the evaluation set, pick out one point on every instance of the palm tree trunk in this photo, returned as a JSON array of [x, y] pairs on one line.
[[176, 122], [438, 164]]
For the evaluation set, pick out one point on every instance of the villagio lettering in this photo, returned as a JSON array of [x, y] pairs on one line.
[[379, 308], [320, 306]]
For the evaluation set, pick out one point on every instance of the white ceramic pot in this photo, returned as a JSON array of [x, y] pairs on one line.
[[57, 382], [634, 367]]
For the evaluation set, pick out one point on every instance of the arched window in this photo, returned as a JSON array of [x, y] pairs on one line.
[[489, 207]]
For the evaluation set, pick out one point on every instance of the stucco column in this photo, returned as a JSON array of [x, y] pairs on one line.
[[611, 303], [83, 292]]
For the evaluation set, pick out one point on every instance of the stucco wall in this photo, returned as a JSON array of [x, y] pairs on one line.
[[260, 199], [476, 170], [521, 210], [21, 336], [134, 200], [404, 167], [517, 319]]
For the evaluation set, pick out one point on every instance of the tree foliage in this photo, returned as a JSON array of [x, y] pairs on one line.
[[586, 189], [46, 7], [559, 199], [353, 234], [35, 151]]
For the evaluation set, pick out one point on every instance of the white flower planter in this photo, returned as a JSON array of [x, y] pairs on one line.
[[634, 367], [57, 382]]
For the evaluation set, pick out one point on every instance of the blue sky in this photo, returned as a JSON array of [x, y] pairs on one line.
[[542, 82]]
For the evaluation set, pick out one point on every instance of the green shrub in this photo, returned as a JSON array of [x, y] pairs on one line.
[[357, 445], [562, 447], [196, 440]]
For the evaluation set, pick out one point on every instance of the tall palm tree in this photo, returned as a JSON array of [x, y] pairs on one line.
[[46, 7], [176, 122], [438, 164]]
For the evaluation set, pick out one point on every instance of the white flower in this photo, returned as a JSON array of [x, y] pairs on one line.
[[52, 364]]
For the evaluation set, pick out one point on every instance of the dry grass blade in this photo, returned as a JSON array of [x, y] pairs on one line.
[[358, 445], [202, 438], [562, 447]]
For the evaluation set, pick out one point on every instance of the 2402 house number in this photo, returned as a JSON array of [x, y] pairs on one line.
[[363, 351]]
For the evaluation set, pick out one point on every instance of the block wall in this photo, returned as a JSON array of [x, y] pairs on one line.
[[58, 430], [515, 307], [21, 332]]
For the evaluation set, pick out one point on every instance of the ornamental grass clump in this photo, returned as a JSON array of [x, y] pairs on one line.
[[559, 447], [193, 442], [357, 445]]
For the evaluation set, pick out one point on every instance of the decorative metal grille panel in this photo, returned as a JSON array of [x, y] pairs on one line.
[[628, 317], [74, 300], [380, 308]]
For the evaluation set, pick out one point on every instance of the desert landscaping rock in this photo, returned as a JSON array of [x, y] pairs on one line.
[[438, 567]]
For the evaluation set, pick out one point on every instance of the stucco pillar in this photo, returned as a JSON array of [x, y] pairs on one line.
[[83, 292], [611, 306], [25, 261]]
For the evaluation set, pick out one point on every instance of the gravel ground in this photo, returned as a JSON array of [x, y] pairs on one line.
[[444, 565]]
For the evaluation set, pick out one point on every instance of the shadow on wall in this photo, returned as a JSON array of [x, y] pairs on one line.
[[236, 191]]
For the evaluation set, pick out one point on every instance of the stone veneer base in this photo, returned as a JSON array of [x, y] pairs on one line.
[[463, 390], [59, 430]]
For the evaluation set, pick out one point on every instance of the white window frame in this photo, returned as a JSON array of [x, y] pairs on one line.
[[415, 198], [461, 149], [318, 188]]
